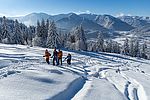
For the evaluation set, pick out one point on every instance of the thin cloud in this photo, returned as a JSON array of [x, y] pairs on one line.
[[83, 12], [122, 14]]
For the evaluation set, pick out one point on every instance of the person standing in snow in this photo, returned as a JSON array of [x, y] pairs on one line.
[[68, 59], [60, 54], [55, 57], [47, 55]]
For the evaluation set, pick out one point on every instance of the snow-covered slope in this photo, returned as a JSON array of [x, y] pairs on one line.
[[24, 75]]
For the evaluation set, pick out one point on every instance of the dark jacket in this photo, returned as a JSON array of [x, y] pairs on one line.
[[55, 54], [68, 57]]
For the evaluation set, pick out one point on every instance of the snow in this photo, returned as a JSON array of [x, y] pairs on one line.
[[24, 75], [99, 89]]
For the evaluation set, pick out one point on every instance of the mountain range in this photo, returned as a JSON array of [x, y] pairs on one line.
[[135, 21], [107, 21], [92, 23]]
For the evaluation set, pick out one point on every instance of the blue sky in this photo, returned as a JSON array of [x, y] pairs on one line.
[[112, 7]]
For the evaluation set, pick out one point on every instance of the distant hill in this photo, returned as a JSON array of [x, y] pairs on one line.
[[113, 23], [142, 31], [73, 20], [109, 22], [135, 21], [31, 19]]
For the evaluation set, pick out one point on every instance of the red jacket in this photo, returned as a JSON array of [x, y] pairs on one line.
[[47, 54], [60, 54]]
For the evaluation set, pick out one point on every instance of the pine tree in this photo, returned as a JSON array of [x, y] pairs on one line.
[[38, 29], [53, 39], [5, 34], [31, 34], [1, 34], [136, 48], [25, 33], [37, 40], [112, 46], [100, 43], [80, 38], [115, 48], [63, 36], [47, 26], [109, 46], [44, 33], [70, 41], [91, 46], [126, 47], [41, 34], [131, 48], [143, 50], [17, 34]]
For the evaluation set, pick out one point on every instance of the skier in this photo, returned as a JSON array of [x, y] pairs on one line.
[[68, 59], [55, 57], [47, 55], [60, 54]]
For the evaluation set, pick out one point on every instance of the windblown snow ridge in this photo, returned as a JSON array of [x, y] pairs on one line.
[[70, 91]]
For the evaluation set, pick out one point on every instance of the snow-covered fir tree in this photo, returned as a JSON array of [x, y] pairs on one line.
[[41, 34], [31, 35], [44, 32], [125, 48], [5, 33], [76, 39], [131, 47], [63, 37], [4, 28], [100, 42], [91, 46], [70, 41], [1, 34], [38, 29], [17, 37], [143, 52], [47, 26], [80, 39], [53, 39], [116, 47], [112, 46], [136, 48], [108, 46], [37, 40], [25, 34]]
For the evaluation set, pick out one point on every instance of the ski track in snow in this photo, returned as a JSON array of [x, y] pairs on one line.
[[132, 88], [87, 66]]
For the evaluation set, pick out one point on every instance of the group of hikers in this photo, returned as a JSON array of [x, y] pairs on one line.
[[57, 57]]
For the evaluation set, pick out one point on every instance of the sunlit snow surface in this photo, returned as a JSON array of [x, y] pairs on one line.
[[24, 75]]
